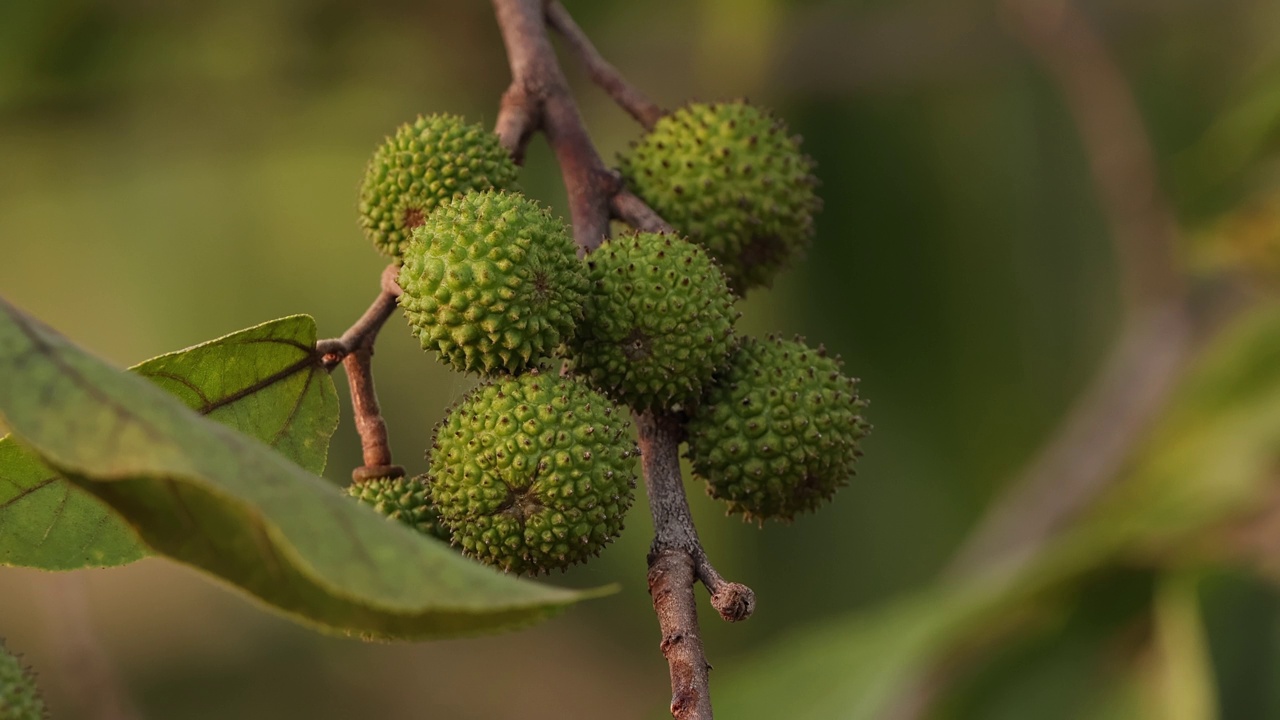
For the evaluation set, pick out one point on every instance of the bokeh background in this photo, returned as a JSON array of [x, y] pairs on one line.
[[171, 172]]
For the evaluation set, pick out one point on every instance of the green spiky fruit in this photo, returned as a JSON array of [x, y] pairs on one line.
[[407, 499], [778, 432], [658, 321], [533, 473], [492, 283], [731, 178], [19, 698], [423, 164]]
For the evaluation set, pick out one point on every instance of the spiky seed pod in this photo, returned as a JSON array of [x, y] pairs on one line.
[[19, 698], [658, 320], [407, 499], [778, 432], [492, 283], [423, 164], [731, 178], [533, 472]]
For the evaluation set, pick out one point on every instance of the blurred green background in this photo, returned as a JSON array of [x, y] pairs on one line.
[[171, 172]]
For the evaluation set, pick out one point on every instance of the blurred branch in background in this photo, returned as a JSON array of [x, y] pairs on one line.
[[1089, 449], [83, 667], [1098, 434]]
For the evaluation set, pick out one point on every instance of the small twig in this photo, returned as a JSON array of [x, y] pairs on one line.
[[633, 211], [734, 601], [602, 72], [354, 349], [365, 330], [673, 527], [518, 117], [539, 99]]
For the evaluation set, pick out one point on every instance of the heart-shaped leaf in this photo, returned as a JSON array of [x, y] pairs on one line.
[[223, 502], [265, 381]]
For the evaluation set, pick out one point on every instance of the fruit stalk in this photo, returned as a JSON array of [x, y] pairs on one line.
[[602, 72], [630, 209], [354, 349]]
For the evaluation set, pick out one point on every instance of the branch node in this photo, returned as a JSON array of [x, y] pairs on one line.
[[734, 601], [366, 473]]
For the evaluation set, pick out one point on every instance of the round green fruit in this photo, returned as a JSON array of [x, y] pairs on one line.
[[492, 283], [423, 164], [658, 321], [731, 178], [533, 472], [407, 499], [19, 698], [778, 433]]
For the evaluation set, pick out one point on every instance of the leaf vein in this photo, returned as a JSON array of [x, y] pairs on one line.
[[34, 488]]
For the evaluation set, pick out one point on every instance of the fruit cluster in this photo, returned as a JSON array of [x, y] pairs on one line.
[[535, 470]]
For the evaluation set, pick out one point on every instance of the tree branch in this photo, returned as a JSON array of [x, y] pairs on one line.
[[354, 349], [673, 527], [539, 99], [673, 559], [601, 71]]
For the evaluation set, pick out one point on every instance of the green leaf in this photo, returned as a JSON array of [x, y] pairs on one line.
[[1211, 458], [46, 522], [264, 381], [216, 499]]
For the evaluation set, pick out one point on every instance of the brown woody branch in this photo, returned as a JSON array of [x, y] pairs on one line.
[[354, 349], [673, 560], [539, 99], [602, 72]]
